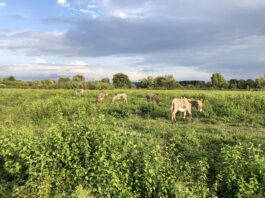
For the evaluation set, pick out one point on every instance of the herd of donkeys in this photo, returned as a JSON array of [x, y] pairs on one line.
[[178, 104]]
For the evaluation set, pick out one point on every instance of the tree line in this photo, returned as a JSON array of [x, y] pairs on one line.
[[121, 80]]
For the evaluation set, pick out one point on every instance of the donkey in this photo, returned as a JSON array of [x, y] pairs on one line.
[[153, 97], [182, 105], [101, 96], [119, 96], [79, 92]]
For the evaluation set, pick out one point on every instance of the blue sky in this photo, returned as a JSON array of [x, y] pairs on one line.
[[189, 39]]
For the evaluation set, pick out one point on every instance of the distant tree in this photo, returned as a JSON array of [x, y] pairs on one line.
[[121, 80], [47, 83], [198, 84], [233, 83], [160, 82], [250, 84], [165, 82], [171, 82], [146, 82], [11, 78], [218, 81], [105, 80], [260, 82], [79, 78], [241, 84], [62, 80]]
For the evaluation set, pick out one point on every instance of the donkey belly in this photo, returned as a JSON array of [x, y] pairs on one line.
[[182, 109]]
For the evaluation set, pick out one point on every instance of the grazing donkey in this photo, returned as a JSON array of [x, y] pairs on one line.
[[119, 96], [101, 97], [153, 97], [79, 92], [182, 105]]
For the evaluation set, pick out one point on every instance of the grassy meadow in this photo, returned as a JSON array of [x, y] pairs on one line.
[[55, 144]]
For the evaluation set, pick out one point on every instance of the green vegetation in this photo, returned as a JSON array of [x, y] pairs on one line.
[[218, 81], [54, 144], [121, 80], [160, 82]]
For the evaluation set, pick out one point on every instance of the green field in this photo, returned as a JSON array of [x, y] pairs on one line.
[[55, 144]]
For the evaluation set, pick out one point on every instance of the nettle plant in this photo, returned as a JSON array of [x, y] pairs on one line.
[[242, 171]]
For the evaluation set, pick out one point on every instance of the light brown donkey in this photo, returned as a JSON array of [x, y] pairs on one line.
[[79, 92], [120, 96], [182, 105], [101, 96]]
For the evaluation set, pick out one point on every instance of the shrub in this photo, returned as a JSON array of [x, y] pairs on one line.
[[241, 172]]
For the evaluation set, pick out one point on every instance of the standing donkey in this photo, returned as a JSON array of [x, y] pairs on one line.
[[101, 96], [153, 97], [79, 92], [184, 105], [119, 96]]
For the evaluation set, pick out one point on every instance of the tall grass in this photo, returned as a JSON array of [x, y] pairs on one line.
[[54, 144]]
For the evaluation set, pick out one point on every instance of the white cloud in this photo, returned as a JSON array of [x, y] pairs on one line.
[[63, 3], [79, 63], [92, 13], [31, 42], [91, 6], [226, 36], [3, 4], [188, 73], [253, 4], [128, 9], [40, 61], [84, 11], [119, 14], [40, 71]]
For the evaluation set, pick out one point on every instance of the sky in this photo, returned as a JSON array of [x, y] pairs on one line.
[[189, 39]]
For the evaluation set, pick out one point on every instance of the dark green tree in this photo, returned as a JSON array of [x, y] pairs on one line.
[[121, 80], [105, 80], [198, 84], [11, 78], [218, 81], [146, 82], [241, 84], [79, 78], [260, 82], [62, 80], [233, 83], [165, 82], [250, 84]]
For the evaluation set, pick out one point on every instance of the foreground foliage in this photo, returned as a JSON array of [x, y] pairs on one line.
[[53, 144]]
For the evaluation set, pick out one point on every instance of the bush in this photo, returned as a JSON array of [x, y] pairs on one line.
[[119, 110], [242, 173]]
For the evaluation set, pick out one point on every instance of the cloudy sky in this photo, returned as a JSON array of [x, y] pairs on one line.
[[189, 39]]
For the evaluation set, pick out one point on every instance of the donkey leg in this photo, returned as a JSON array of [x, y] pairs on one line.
[[173, 117], [190, 113]]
